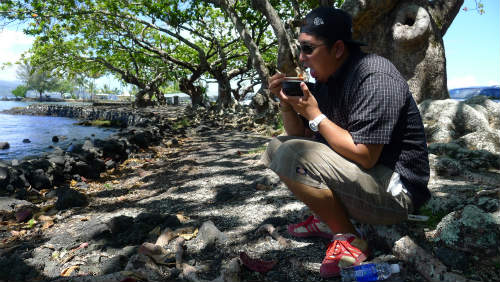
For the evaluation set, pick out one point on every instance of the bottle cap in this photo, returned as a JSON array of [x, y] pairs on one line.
[[395, 268]]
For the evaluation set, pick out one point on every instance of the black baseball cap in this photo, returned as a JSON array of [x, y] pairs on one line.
[[330, 23]]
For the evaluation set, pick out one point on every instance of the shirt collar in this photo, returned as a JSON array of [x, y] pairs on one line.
[[341, 73]]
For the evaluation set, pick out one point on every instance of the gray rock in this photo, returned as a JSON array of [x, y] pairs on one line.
[[209, 234], [452, 258], [142, 139], [10, 188], [39, 180], [470, 228], [69, 198], [57, 159], [111, 148], [89, 148], [114, 264], [75, 148], [52, 269], [110, 164], [97, 166], [4, 145], [147, 268], [488, 204], [492, 109], [51, 194], [92, 230], [82, 168], [447, 120], [120, 224], [10, 206], [23, 180], [4, 176], [481, 140], [82, 185], [58, 151], [40, 163]]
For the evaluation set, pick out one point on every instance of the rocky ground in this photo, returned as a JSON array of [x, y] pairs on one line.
[[206, 199]]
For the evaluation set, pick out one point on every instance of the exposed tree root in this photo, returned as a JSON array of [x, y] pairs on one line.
[[229, 272], [427, 265], [269, 228]]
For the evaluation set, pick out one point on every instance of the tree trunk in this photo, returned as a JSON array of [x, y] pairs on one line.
[[410, 34], [224, 98], [196, 93], [288, 54], [139, 99], [263, 101]]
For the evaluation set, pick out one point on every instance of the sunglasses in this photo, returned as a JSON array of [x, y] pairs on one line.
[[307, 49]]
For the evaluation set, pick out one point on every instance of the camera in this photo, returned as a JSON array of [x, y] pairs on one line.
[[292, 87]]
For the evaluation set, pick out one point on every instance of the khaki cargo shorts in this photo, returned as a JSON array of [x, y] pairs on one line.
[[363, 192]]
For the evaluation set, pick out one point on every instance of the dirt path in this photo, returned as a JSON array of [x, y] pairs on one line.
[[210, 175]]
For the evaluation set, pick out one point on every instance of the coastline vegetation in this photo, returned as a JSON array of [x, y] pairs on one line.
[[181, 123], [101, 123]]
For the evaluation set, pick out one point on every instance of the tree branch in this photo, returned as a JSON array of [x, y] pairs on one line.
[[444, 12]]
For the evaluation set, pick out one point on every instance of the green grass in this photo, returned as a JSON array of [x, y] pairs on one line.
[[279, 124], [258, 150], [434, 218], [103, 123], [108, 186], [183, 123]]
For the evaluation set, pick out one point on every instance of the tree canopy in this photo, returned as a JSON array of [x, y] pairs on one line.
[[151, 44], [36, 79], [142, 43]]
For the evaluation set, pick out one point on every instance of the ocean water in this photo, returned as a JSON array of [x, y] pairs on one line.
[[40, 130]]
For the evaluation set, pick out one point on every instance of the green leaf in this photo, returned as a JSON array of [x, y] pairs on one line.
[[31, 223]]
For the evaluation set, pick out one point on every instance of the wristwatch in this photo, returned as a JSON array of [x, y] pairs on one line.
[[314, 124]]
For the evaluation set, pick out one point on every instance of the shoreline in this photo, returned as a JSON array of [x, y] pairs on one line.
[[86, 158]]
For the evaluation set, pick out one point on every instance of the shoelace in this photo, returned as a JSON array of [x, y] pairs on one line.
[[339, 247], [306, 222]]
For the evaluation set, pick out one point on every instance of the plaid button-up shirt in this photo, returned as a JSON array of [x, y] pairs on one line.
[[369, 98]]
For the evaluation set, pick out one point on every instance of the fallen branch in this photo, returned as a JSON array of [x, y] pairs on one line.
[[427, 265], [157, 253], [269, 228], [179, 251], [229, 272], [169, 234]]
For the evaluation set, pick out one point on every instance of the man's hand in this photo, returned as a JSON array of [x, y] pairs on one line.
[[306, 105], [275, 83]]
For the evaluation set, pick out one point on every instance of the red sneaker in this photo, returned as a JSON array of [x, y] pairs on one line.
[[345, 250], [309, 228]]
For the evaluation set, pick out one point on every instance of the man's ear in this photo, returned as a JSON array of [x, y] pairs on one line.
[[338, 48]]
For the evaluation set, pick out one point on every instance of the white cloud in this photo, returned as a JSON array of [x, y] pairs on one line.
[[13, 44], [468, 81], [493, 82], [465, 81]]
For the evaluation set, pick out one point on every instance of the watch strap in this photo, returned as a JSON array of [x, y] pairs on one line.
[[314, 124]]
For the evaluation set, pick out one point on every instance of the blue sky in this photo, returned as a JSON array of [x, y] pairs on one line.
[[472, 46]]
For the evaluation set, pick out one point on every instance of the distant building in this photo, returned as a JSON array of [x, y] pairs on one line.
[[125, 96], [45, 95], [183, 98], [106, 96], [67, 96]]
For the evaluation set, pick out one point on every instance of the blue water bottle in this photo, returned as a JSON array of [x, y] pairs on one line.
[[369, 272]]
